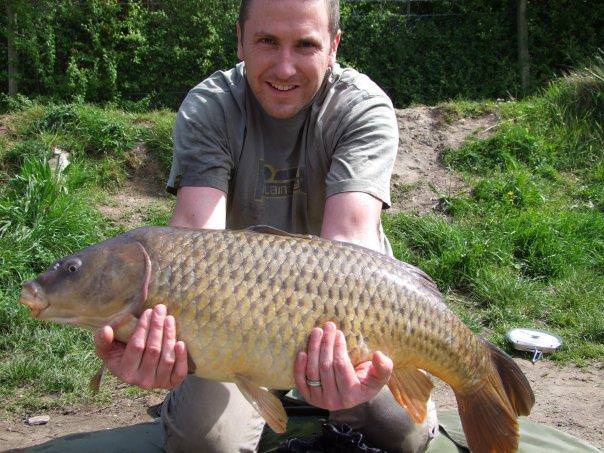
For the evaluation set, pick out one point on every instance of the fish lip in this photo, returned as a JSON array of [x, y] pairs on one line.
[[33, 297]]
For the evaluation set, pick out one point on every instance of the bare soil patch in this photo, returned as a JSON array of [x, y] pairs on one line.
[[419, 178], [15, 433], [144, 190]]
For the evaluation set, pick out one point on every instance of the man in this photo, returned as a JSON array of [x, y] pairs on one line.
[[288, 139]]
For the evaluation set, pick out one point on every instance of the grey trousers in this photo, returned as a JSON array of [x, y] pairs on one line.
[[210, 416]]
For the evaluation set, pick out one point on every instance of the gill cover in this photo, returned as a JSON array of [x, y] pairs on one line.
[[127, 272]]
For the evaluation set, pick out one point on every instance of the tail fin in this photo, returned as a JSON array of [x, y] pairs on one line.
[[515, 384], [489, 414]]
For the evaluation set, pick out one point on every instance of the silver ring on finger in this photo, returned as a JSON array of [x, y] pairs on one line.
[[313, 383]]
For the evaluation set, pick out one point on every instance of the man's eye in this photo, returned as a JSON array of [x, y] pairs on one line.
[[306, 44], [266, 41]]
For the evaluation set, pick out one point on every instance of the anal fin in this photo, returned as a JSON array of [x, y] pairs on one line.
[[267, 404], [411, 388]]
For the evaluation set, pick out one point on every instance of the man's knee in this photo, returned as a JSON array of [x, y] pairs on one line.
[[209, 416], [386, 425]]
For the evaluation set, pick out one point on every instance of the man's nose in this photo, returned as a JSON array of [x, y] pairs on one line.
[[286, 64]]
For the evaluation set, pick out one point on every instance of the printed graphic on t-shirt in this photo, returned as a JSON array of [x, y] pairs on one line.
[[274, 182]]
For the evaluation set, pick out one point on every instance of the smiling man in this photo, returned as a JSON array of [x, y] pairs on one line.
[[287, 51], [289, 139]]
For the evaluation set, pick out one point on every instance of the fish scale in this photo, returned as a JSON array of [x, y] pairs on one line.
[[245, 302]]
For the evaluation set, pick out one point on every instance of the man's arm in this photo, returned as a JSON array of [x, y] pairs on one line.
[[200, 207], [349, 217], [153, 358], [353, 217]]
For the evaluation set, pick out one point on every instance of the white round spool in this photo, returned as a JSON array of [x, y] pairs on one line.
[[535, 341]]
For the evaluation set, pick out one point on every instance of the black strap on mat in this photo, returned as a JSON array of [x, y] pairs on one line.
[[334, 437]]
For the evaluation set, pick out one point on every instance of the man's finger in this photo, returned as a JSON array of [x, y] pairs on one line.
[[380, 372], [181, 364], [153, 345], [328, 381], [103, 338], [168, 354], [312, 362], [345, 374], [133, 354], [300, 375]]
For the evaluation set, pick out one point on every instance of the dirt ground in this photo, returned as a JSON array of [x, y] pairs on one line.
[[568, 398]]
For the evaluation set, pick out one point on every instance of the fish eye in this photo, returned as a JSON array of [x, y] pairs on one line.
[[73, 266]]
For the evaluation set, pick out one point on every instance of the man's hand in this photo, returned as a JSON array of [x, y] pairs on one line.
[[342, 385], [152, 358]]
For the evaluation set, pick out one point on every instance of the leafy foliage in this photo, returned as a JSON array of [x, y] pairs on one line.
[[151, 53]]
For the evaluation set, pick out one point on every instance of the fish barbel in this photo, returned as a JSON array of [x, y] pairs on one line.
[[245, 301]]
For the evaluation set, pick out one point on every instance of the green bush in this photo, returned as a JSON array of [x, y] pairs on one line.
[[10, 104], [159, 139], [93, 130], [123, 52]]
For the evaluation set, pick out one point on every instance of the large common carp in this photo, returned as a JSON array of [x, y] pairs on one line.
[[245, 302]]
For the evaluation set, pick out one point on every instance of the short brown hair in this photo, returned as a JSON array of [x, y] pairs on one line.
[[333, 12]]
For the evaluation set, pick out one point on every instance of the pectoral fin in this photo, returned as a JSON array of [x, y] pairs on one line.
[[411, 388], [95, 381], [267, 404], [122, 331], [124, 328]]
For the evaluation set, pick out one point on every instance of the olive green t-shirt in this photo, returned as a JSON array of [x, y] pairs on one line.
[[279, 172]]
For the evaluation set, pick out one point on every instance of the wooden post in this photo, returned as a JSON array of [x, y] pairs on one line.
[[11, 53], [523, 52]]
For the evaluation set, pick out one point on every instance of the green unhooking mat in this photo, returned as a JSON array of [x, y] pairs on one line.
[[534, 438], [146, 438]]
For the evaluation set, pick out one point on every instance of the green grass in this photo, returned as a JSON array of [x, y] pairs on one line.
[[456, 109], [41, 218], [526, 247]]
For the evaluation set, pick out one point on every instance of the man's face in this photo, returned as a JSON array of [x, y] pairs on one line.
[[287, 48]]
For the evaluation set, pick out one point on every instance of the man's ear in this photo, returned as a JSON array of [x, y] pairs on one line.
[[335, 42], [239, 42]]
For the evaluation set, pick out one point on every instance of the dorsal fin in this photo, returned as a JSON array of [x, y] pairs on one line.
[[425, 280], [266, 229]]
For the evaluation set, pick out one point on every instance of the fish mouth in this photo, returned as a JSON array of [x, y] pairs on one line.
[[32, 296]]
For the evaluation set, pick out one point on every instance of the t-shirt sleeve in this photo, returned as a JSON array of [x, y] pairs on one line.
[[201, 154], [365, 150]]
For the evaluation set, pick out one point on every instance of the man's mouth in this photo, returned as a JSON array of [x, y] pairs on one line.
[[284, 87]]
